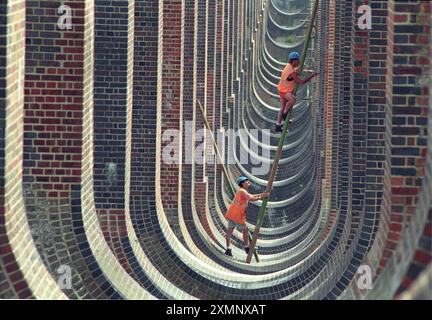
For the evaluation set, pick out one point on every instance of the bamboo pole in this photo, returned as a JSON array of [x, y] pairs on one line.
[[282, 138]]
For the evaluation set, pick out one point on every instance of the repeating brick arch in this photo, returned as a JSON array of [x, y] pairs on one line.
[[86, 111]]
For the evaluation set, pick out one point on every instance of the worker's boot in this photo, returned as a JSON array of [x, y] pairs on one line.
[[247, 249], [284, 116], [278, 128]]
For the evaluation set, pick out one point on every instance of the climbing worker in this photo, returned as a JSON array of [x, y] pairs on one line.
[[289, 78], [236, 213]]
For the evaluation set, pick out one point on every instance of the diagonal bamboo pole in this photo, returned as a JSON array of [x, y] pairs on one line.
[[282, 138], [225, 171]]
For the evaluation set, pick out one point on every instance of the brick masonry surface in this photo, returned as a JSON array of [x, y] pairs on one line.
[[100, 133]]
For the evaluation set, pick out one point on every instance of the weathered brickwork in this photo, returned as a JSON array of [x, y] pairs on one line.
[[172, 87], [86, 180], [396, 211], [56, 92], [408, 65], [21, 268]]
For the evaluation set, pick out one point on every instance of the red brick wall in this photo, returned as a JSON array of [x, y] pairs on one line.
[[172, 86], [53, 101], [329, 103], [12, 17], [407, 99]]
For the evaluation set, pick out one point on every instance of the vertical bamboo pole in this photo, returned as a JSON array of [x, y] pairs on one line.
[[282, 138]]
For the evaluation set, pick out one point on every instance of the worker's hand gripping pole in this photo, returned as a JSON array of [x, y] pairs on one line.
[[282, 138], [225, 171]]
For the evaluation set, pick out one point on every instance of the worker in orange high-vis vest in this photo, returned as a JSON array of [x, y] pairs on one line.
[[236, 213], [288, 79]]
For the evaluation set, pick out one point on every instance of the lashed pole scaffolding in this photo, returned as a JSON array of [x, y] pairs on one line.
[[225, 171], [282, 138]]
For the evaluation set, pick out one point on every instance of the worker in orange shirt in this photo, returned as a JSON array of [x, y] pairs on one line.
[[236, 213], [289, 78]]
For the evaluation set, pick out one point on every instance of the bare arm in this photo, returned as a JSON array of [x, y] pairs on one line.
[[299, 80], [260, 196]]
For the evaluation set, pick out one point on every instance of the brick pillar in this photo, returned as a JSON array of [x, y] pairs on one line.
[[21, 270], [112, 114], [57, 147], [359, 74], [368, 90], [201, 95], [189, 107], [337, 106], [143, 140], [210, 74], [422, 257], [392, 167], [98, 256], [216, 178], [219, 68], [376, 104], [345, 109], [211, 30], [407, 107], [328, 116], [321, 101], [228, 52], [172, 96]]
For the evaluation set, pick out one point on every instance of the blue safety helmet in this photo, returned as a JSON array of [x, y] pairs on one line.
[[294, 56], [241, 179]]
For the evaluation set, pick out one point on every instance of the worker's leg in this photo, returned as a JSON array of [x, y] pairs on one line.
[[281, 110], [245, 237], [228, 236], [283, 102], [289, 104], [291, 100]]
